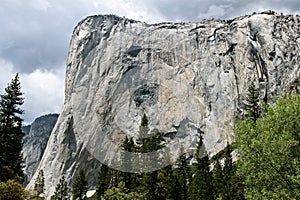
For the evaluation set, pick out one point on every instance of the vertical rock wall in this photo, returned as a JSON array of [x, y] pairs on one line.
[[189, 78]]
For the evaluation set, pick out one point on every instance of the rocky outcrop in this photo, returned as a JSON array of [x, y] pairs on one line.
[[188, 78], [35, 141]]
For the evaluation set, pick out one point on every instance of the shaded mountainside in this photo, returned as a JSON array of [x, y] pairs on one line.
[[35, 141], [188, 78]]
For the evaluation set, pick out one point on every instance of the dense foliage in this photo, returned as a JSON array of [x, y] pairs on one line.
[[12, 190], [269, 151]]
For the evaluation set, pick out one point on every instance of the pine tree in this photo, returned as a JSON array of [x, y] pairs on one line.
[[39, 185], [227, 183], [128, 178], [182, 175], [115, 176], [10, 132], [80, 186], [107, 178], [201, 186], [61, 190], [251, 106], [147, 143], [103, 180], [218, 178], [167, 184], [228, 174]]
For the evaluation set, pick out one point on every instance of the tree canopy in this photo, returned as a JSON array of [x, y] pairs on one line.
[[268, 151]]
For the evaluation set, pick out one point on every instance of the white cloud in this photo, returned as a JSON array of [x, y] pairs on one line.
[[41, 5], [137, 10], [215, 11], [43, 92], [6, 74]]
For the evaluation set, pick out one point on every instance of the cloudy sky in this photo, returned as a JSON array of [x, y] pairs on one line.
[[35, 34]]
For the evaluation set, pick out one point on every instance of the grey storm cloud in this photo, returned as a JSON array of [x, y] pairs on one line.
[[35, 35], [194, 10]]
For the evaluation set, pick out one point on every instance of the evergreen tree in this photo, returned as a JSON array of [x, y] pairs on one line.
[[80, 186], [148, 184], [147, 143], [10, 132], [251, 106], [227, 183], [218, 180], [61, 190], [201, 181], [107, 178], [103, 180], [39, 185], [128, 178], [115, 177], [228, 174], [167, 184], [181, 173], [237, 182]]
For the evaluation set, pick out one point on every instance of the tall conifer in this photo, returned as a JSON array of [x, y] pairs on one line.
[[80, 186], [10, 132]]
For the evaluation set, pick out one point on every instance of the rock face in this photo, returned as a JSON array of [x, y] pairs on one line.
[[188, 78], [35, 141]]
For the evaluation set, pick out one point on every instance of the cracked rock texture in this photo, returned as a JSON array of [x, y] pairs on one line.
[[186, 77], [35, 141]]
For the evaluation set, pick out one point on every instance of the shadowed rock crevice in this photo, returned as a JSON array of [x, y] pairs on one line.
[[133, 51], [146, 94]]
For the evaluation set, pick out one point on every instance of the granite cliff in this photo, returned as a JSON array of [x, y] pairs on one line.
[[188, 78], [35, 141]]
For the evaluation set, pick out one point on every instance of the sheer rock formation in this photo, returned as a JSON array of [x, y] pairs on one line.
[[188, 78], [35, 141]]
